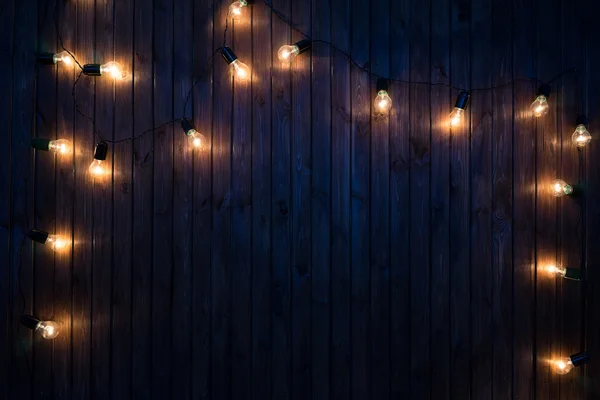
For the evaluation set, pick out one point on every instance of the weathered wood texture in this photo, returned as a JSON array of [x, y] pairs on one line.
[[311, 250]]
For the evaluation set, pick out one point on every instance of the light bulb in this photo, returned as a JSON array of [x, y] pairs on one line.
[[236, 9], [63, 57], [97, 169], [540, 106], [196, 139], [560, 188], [114, 69], [240, 70], [456, 116], [57, 242], [460, 106], [567, 273], [562, 365], [383, 102], [581, 136], [48, 329], [60, 146], [554, 270], [287, 53]]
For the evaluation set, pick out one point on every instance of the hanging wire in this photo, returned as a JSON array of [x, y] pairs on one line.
[[60, 39]]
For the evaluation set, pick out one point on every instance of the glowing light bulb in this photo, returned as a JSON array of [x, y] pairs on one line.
[[383, 102], [63, 57], [114, 69], [540, 106], [196, 139], [554, 270], [236, 9], [456, 117], [240, 70], [57, 242], [60, 146], [288, 53], [560, 188], [581, 136], [97, 169], [567, 273], [48, 329], [562, 365]]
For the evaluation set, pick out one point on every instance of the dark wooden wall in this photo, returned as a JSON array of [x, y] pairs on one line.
[[312, 252]]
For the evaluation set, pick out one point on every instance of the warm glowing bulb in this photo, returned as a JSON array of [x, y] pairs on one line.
[[560, 188], [456, 116], [114, 69], [540, 106], [562, 365], [48, 329], [240, 70], [57, 242], [383, 102], [581, 136], [97, 169], [287, 53], [63, 57], [236, 8], [60, 146], [554, 270], [196, 139]]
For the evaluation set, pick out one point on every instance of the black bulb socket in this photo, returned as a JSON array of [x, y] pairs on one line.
[[228, 55], [38, 236], [580, 358], [544, 90], [101, 151], [187, 125], [462, 100], [46, 58], [92, 70], [581, 120], [30, 321], [40, 144], [573, 274], [382, 84], [303, 45]]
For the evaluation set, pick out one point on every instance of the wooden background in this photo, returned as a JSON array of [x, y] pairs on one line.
[[312, 251]]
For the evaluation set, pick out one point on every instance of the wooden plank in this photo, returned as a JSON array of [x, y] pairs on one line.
[[221, 218], [261, 204], [524, 184], [481, 188], [420, 258], [360, 203], [44, 198], [143, 178], [440, 201], [461, 193], [162, 266], [281, 221], [123, 209], [65, 196], [399, 204], [301, 205], [101, 235], [202, 102], [183, 168], [341, 118], [321, 202], [571, 208], [241, 182]]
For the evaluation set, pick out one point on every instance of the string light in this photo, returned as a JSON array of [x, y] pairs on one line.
[[56, 242], [540, 105], [237, 68], [563, 365], [112, 68], [459, 109], [236, 9], [560, 188], [52, 58], [287, 53], [97, 169], [48, 329], [567, 273], [383, 101], [60, 146], [195, 138], [581, 136]]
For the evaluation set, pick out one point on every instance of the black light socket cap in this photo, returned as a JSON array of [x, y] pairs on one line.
[[228, 55], [573, 274], [580, 358], [462, 100], [29, 321], [46, 58], [382, 84], [544, 90], [187, 125], [581, 120], [92, 70], [101, 151], [40, 144], [303, 45], [38, 236]]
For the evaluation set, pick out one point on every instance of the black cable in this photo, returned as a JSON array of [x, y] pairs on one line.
[[198, 79]]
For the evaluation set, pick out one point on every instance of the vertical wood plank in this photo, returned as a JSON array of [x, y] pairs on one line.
[[420, 141], [123, 208], [183, 168], [261, 205], [221, 260], [400, 168], [321, 202], [44, 198], [524, 193], [341, 119], [301, 204], [143, 184], [461, 193], [202, 102]]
